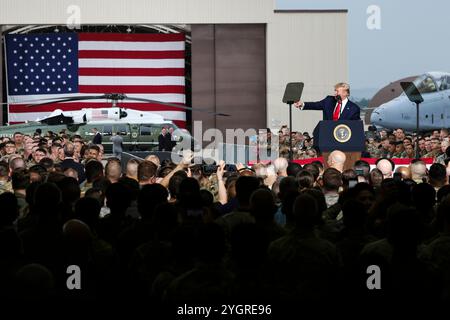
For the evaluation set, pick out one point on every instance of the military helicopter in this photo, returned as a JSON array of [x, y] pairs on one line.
[[139, 129]]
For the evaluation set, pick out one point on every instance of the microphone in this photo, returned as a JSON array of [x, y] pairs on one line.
[[338, 98]]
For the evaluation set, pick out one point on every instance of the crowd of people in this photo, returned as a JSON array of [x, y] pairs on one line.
[[172, 233], [382, 144]]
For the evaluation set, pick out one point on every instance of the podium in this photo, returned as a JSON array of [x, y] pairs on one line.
[[344, 135]]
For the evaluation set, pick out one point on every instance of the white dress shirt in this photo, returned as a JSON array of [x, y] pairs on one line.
[[344, 102]]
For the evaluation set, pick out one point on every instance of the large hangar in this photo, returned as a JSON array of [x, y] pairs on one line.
[[243, 52]]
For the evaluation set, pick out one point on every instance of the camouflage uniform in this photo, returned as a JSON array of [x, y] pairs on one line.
[[212, 185], [400, 155], [5, 186], [432, 154], [422, 153], [85, 187], [441, 158], [6, 157], [20, 150], [23, 205], [384, 153], [30, 164], [374, 151]]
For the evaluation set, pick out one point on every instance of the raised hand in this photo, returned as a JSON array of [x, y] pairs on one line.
[[298, 104], [220, 170]]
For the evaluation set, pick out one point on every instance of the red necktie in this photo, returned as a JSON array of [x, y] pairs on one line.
[[337, 111]]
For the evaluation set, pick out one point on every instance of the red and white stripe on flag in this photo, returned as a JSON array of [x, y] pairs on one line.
[[99, 114], [150, 66]]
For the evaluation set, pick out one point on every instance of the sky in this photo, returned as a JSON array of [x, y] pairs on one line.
[[414, 37]]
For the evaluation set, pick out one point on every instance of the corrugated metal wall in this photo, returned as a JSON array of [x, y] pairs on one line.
[[309, 47], [136, 11]]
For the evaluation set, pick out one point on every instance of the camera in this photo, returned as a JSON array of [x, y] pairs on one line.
[[230, 168], [208, 169]]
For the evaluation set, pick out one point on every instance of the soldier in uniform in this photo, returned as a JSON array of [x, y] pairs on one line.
[[9, 150], [18, 140], [435, 149], [399, 150], [373, 148], [5, 183]]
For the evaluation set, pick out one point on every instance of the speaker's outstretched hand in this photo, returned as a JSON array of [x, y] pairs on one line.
[[298, 104]]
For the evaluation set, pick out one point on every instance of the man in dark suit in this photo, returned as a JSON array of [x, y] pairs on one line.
[[164, 141], [337, 107], [69, 162], [97, 139]]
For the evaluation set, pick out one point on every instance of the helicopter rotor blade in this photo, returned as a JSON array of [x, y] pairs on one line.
[[175, 105], [108, 96], [117, 97], [68, 99]]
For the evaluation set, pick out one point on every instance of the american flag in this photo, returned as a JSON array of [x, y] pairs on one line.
[[99, 114], [53, 65]]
